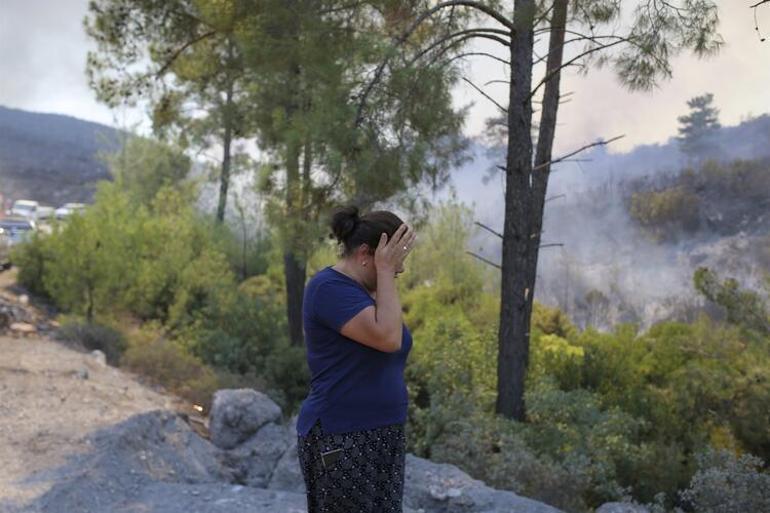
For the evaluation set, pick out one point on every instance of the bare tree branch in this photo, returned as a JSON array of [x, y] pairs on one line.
[[555, 197], [581, 37], [583, 148], [471, 253], [462, 35], [478, 54], [490, 230], [477, 88], [552, 72]]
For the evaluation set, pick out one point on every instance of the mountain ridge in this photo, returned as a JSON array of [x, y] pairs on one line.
[[52, 158]]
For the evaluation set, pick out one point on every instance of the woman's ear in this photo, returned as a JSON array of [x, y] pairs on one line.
[[362, 254]]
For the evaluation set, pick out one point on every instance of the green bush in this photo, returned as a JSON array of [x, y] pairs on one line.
[[93, 336], [30, 258], [152, 353], [667, 212], [725, 483], [157, 263]]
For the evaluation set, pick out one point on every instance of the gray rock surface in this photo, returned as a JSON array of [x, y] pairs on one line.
[[236, 414], [287, 474], [147, 449], [252, 462], [621, 507], [155, 463], [441, 487]]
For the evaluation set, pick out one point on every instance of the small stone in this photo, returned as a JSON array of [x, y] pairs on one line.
[[22, 328], [99, 356]]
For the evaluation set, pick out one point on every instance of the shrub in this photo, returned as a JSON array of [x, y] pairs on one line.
[[662, 212], [30, 258], [164, 361], [93, 336], [725, 483]]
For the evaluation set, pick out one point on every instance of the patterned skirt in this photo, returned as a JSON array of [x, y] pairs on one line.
[[353, 472]]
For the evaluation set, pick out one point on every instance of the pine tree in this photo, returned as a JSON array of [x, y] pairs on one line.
[[294, 76], [697, 129], [179, 58]]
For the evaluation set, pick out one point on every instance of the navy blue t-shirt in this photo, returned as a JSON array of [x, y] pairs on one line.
[[352, 386]]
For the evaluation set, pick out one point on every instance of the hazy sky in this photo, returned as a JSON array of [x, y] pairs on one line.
[[43, 49]]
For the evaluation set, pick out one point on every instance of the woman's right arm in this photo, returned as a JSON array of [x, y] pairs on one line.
[[380, 326]]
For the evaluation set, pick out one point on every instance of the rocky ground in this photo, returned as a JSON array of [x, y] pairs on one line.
[[79, 436]]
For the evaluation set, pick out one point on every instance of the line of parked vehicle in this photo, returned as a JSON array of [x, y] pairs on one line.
[[24, 218]]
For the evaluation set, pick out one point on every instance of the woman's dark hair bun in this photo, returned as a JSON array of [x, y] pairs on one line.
[[344, 222]]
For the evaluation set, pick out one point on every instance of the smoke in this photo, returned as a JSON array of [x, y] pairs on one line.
[[606, 269], [42, 58]]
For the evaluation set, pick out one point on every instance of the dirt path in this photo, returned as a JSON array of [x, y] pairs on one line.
[[51, 395]]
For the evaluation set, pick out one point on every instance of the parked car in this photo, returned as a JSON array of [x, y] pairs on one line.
[[5, 249], [17, 228], [24, 208], [44, 212], [69, 208], [31, 209]]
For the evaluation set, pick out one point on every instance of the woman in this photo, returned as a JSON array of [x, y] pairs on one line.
[[350, 431]]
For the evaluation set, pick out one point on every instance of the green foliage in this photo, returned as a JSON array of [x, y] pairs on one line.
[[246, 249], [143, 166], [89, 257], [725, 483], [722, 197], [570, 452], [551, 355], [93, 336], [247, 337], [297, 77], [152, 353], [611, 415], [743, 307], [30, 258], [156, 263], [666, 213]]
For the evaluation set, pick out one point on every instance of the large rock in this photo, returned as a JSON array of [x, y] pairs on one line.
[[152, 448], [441, 487], [155, 463], [236, 414], [253, 461], [213, 498], [287, 475], [621, 507]]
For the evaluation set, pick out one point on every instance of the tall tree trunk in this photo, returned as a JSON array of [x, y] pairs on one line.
[[547, 131], [513, 339], [295, 267], [294, 258], [307, 184], [227, 139]]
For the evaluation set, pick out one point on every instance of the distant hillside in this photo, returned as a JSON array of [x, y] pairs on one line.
[[606, 253], [51, 158]]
